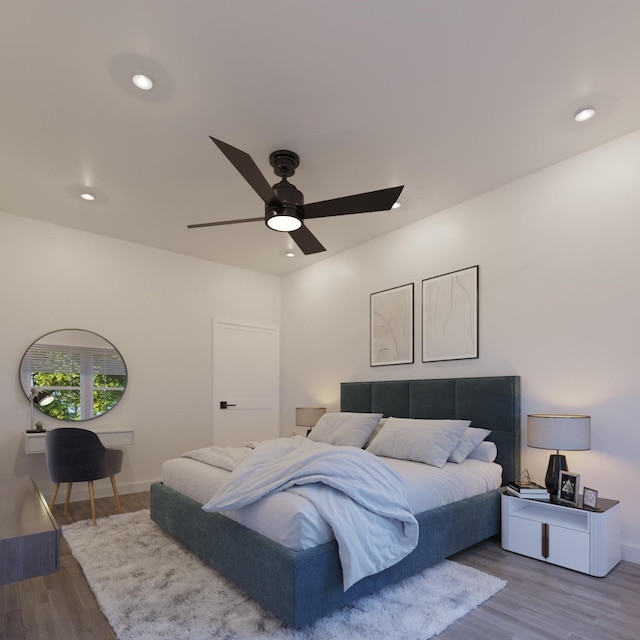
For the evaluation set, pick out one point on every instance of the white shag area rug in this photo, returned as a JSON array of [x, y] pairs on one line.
[[151, 588]]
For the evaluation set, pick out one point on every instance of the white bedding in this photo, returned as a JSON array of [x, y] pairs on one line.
[[292, 520], [361, 498]]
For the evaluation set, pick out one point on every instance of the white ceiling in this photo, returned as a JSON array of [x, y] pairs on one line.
[[449, 97]]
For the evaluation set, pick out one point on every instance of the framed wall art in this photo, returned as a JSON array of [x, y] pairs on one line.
[[392, 326], [450, 316]]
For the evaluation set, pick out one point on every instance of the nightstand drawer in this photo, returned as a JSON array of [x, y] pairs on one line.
[[563, 546]]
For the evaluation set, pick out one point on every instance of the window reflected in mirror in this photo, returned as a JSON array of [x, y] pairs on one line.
[[85, 373]]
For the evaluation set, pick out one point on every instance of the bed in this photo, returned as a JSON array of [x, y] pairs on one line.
[[299, 586]]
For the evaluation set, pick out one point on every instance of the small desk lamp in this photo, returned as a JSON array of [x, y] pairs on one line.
[[308, 416], [40, 397], [557, 431]]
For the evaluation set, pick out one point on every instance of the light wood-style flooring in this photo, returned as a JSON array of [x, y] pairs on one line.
[[540, 602]]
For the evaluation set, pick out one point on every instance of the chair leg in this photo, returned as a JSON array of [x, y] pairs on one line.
[[56, 487], [66, 502], [93, 504], [115, 492]]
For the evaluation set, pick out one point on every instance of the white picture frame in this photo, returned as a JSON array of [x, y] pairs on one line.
[[589, 498], [391, 326], [450, 316]]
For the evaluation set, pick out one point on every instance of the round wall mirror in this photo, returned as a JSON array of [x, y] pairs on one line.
[[85, 374]]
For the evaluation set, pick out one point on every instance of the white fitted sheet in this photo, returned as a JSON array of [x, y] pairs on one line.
[[294, 522]]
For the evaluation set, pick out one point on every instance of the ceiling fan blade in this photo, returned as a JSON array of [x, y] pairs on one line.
[[307, 242], [219, 224], [248, 170], [380, 200]]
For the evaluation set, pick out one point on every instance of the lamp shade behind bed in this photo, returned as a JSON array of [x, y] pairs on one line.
[[308, 416]]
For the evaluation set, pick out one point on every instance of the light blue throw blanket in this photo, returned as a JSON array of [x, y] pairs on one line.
[[361, 498]]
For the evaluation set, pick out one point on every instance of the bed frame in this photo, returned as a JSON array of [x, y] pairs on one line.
[[300, 586]]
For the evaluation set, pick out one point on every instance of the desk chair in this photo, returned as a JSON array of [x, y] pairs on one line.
[[77, 455]]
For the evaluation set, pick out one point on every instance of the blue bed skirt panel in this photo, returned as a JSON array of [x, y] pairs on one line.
[[301, 586]]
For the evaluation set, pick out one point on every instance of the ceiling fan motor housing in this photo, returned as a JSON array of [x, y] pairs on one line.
[[289, 206]]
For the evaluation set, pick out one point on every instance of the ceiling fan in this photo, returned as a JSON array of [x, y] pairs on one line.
[[284, 204]]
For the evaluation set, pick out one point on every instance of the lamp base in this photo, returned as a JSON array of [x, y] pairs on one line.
[[557, 463]]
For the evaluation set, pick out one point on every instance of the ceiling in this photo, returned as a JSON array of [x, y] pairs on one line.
[[449, 98]]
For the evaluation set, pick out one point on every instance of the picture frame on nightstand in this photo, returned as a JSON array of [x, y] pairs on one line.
[[568, 488], [589, 499]]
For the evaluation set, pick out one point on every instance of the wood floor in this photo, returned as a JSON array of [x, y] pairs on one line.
[[61, 606], [540, 602]]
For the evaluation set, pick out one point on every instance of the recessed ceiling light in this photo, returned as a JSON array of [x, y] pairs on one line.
[[584, 114], [290, 254], [142, 82], [396, 205], [89, 197]]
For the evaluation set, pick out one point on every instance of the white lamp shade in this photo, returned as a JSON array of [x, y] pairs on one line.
[[559, 432], [41, 397], [308, 416]]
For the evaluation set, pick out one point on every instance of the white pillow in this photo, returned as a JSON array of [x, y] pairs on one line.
[[485, 451], [345, 429], [470, 439], [428, 441], [375, 432]]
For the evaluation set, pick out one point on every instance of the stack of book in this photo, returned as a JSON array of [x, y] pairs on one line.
[[529, 490]]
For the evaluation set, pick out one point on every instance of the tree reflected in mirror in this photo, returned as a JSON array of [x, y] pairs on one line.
[[85, 373]]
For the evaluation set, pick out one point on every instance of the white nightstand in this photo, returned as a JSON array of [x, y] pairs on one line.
[[579, 539]]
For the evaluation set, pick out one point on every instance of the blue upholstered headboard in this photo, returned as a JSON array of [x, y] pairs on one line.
[[492, 403]]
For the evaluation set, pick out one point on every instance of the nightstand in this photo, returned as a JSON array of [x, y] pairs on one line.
[[571, 537]]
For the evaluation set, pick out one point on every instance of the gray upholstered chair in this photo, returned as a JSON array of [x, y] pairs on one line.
[[77, 455]]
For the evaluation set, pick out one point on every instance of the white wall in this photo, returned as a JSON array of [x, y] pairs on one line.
[[559, 306], [156, 307]]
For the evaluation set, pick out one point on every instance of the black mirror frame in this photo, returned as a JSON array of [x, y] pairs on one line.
[[28, 391]]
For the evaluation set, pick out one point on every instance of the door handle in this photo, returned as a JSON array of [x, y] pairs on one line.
[[224, 404]]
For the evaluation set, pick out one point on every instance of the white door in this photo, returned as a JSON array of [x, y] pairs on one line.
[[246, 380]]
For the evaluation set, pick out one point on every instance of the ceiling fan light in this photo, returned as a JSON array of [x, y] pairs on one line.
[[284, 221]]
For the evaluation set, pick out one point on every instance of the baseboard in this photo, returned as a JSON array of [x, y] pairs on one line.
[[101, 489], [631, 553]]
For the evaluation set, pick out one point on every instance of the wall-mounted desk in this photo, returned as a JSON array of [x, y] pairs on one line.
[[34, 442]]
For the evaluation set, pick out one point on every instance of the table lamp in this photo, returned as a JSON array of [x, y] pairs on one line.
[[308, 416], [42, 398], [559, 432]]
